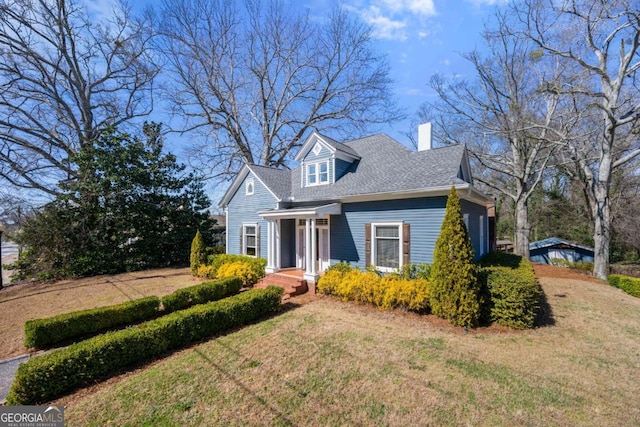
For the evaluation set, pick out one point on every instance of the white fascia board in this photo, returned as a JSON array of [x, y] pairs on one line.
[[265, 185], [308, 145], [311, 212], [465, 191], [235, 184]]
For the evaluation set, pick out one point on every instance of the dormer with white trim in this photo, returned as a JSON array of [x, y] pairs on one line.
[[323, 160]]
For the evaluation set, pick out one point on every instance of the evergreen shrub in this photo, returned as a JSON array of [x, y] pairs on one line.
[[198, 252], [54, 374], [630, 285], [512, 290], [455, 289], [45, 333]]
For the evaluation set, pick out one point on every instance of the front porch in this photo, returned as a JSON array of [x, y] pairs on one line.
[[298, 240]]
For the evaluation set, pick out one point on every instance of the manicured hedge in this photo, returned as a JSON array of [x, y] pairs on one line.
[[200, 294], [44, 333], [513, 293], [53, 374], [630, 285]]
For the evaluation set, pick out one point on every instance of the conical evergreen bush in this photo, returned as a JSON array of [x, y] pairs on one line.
[[455, 289], [198, 253]]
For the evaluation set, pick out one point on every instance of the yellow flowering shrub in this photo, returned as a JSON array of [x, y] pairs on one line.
[[329, 281], [386, 292], [239, 269], [206, 271]]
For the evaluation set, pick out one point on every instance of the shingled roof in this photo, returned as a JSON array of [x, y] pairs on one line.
[[277, 180], [383, 166], [386, 166]]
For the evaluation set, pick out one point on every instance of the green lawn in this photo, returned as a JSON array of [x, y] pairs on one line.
[[334, 363]]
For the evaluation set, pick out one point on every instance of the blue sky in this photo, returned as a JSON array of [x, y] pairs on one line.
[[420, 38]]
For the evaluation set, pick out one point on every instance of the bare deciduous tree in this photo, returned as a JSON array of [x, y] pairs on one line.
[[64, 77], [504, 117], [600, 41], [252, 78]]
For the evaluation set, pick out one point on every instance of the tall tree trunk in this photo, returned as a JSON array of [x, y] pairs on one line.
[[522, 227], [602, 216]]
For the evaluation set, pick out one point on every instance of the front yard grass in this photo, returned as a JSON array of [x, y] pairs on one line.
[[334, 363]]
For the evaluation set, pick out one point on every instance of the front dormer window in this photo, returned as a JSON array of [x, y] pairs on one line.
[[318, 173], [249, 187]]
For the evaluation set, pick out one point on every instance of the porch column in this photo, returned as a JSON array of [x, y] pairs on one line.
[[271, 262], [314, 247], [307, 247], [311, 253], [278, 244]]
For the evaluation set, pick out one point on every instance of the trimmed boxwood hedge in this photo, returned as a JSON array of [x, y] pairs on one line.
[[200, 294], [630, 285], [512, 290], [53, 374], [44, 333]]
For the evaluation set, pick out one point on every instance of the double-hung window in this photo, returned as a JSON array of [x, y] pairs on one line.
[[250, 239], [318, 173], [386, 246]]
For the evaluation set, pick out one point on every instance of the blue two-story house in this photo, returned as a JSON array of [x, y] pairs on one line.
[[369, 202]]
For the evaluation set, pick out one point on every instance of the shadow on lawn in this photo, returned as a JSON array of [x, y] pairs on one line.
[[264, 401], [545, 313]]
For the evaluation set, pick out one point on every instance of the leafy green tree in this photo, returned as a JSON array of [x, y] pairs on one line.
[[198, 252], [132, 207], [455, 289]]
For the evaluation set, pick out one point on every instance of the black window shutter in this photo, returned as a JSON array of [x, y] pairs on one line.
[[406, 244], [367, 245], [257, 241]]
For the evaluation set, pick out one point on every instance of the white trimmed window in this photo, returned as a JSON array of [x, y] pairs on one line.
[[249, 187], [386, 246], [318, 173], [250, 240]]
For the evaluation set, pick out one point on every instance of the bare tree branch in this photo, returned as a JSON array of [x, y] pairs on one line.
[[63, 78], [254, 78]]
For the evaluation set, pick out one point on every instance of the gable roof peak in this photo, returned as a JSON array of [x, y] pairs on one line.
[[331, 144]]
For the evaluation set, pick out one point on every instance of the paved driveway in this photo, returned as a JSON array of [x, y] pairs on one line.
[[7, 373]]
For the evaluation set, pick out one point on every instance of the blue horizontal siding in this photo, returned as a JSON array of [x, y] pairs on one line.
[[424, 215], [342, 167], [474, 212], [243, 209]]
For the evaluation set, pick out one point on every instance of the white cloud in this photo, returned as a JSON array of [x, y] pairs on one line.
[[394, 19], [385, 27], [101, 9]]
